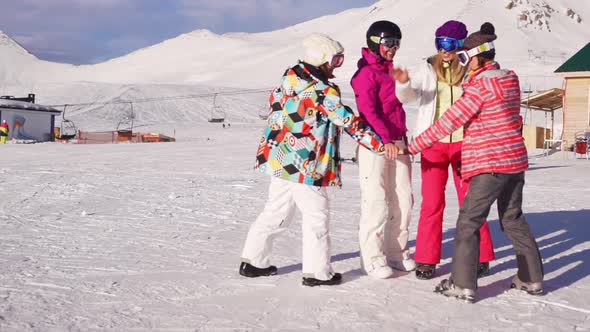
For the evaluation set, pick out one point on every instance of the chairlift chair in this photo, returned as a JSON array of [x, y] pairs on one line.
[[217, 113], [125, 125], [67, 129]]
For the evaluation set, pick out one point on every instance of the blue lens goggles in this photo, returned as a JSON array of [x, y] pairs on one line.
[[448, 44]]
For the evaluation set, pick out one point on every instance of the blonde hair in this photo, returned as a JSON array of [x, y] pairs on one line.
[[457, 71]]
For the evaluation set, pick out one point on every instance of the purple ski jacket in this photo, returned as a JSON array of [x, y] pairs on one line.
[[375, 96]]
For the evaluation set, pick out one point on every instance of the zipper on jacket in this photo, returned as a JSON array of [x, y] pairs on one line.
[[433, 114]]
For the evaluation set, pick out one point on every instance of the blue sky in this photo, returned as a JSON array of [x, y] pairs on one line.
[[91, 31]]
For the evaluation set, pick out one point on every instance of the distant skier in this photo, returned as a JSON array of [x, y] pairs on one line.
[[494, 158], [4, 130], [300, 150]]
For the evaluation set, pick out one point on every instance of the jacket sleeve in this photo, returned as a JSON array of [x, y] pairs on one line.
[[412, 89], [463, 110], [332, 107], [343, 116], [364, 135], [365, 92]]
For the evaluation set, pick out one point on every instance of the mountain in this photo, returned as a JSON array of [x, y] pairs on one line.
[[528, 31], [534, 38], [18, 67]]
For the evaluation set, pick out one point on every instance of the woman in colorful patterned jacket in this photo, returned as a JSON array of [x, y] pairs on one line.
[[300, 150], [436, 86], [494, 158]]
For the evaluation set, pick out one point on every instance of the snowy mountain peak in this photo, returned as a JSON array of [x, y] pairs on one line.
[[202, 33], [538, 14], [528, 32], [7, 43]]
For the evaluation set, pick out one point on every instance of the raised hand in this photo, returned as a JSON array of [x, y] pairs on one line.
[[399, 74]]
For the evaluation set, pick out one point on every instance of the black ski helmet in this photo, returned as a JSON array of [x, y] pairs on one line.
[[382, 29]]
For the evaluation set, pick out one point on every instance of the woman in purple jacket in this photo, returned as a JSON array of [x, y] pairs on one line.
[[386, 192]]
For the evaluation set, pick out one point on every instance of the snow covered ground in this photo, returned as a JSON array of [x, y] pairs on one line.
[[134, 237], [148, 236]]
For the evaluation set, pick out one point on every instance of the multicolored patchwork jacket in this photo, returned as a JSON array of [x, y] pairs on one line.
[[302, 138]]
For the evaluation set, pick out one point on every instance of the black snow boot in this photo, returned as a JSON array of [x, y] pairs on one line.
[[425, 271], [251, 271], [483, 269], [335, 280]]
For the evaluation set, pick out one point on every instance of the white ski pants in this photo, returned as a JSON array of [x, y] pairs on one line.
[[283, 197], [386, 206]]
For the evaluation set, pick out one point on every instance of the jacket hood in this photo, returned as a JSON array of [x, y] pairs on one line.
[[477, 73], [370, 58], [497, 78], [300, 77]]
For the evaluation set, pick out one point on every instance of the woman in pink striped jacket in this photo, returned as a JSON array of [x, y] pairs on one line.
[[435, 87], [494, 158]]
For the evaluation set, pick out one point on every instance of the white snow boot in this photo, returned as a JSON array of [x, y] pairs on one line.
[[533, 288], [405, 265]]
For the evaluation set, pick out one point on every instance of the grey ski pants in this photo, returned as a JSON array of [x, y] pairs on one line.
[[484, 190]]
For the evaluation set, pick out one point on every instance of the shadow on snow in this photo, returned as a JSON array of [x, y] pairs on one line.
[[557, 234], [561, 232]]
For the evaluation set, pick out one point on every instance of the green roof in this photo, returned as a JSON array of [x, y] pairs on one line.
[[579, 62]]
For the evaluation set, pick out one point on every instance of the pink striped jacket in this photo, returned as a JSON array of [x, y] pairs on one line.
[[489, 111]]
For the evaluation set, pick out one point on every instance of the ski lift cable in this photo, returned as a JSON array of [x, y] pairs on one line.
[[155, 99]]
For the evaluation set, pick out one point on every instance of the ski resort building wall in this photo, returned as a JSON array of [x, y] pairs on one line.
[[27, 121]]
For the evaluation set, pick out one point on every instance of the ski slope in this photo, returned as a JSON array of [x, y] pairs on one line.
[[148, 237]]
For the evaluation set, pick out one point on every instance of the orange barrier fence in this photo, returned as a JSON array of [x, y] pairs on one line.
[[106, 137]]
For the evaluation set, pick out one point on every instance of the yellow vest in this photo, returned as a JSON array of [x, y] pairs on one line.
[[446, 95]]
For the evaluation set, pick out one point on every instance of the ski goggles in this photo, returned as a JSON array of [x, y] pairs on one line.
[[337, 60], [389, 42], [448, 44], [465, 55]]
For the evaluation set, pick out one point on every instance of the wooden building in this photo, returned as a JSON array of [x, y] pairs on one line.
[[545, 102], [576, 104]]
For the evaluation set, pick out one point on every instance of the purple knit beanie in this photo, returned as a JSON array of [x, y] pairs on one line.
[[453, 29]]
